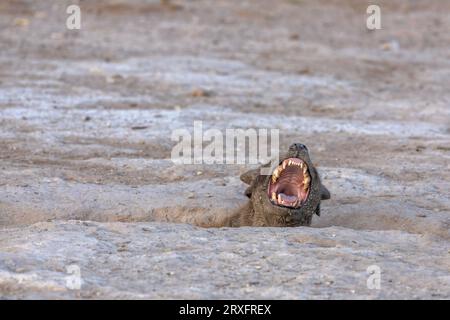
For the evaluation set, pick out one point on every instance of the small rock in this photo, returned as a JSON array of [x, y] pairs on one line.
[[201, 93], [191, 195], [21, 22], [304, 71], [96, 71], [114, 79], [139, 127], [391, 46], [420, 148]]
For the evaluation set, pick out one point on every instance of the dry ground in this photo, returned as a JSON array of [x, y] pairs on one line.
[[85, 124]]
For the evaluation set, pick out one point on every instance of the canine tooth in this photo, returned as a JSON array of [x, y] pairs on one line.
[[274, 196], [278, 171], [290, 162], [279, 199], [276, 174], [305, 169], [306, 182], [284, 164]]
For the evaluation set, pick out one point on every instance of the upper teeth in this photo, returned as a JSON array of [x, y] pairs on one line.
[[291, 162], [285, 163], [277, 172]]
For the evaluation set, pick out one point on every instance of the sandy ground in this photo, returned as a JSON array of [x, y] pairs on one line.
[[85, 124]]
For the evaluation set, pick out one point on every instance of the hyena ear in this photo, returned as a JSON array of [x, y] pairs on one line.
[[324, 193], [249, 176]]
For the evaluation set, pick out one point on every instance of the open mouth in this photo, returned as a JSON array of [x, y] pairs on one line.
[[289, 183]]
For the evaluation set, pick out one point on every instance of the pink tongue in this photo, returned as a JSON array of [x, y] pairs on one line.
[[287, 198]]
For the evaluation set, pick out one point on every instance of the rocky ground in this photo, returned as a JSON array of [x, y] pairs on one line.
[[86, 118]]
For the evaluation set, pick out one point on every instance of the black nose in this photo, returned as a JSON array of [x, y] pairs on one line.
[[297, 147]]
